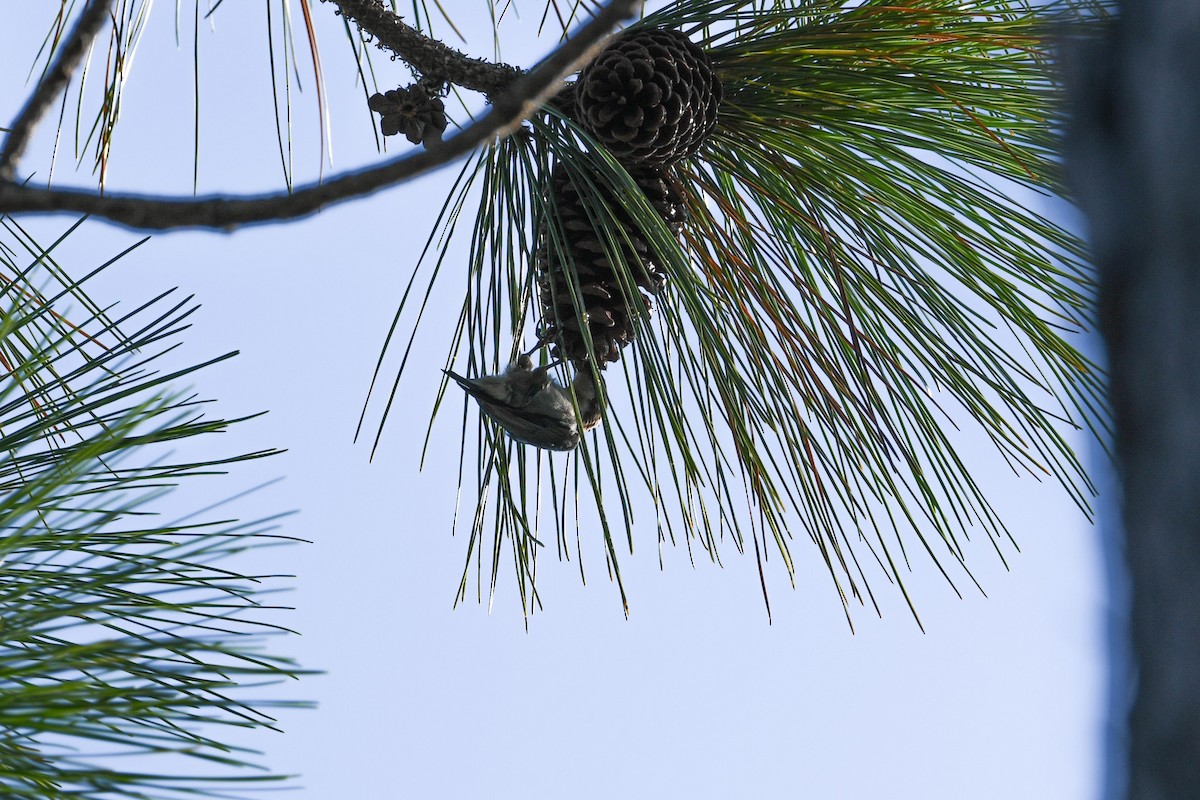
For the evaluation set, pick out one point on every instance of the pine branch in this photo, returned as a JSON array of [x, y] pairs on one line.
[[124, 631], [509, 108], [858, 280], [428, 56], [52, 82]]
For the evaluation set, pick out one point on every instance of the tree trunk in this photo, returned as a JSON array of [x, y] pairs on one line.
[[1134, 159]]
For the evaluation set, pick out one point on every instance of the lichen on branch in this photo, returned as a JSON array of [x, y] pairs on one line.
[[431, 58]]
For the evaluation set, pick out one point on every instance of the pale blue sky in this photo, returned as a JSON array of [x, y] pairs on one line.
[[695, 695]]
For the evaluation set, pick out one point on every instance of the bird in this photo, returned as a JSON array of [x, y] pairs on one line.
[[532, 407]]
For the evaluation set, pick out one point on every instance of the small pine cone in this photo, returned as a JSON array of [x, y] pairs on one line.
[[650, 97], [608, 317], [410, 111]]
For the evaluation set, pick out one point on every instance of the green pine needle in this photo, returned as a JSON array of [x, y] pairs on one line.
[[120, 632], [859, 276]]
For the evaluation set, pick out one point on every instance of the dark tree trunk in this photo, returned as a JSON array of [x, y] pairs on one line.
[[1134, 160]]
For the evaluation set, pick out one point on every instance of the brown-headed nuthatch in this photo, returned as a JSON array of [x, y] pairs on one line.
[[532, 408]]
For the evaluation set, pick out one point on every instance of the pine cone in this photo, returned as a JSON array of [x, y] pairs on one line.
[[410, 111], [650, 97], [608, 317], [661, 188]]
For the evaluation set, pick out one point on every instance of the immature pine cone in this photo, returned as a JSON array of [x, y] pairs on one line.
[[410, 111]]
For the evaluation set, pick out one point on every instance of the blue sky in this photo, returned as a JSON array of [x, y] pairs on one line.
[[695, 695]]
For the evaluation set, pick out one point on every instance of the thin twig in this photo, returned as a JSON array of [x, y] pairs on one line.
[[53, 81], [508, 110], [428, 56]]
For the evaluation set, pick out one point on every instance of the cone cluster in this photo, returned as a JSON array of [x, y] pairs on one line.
[[651, 98]]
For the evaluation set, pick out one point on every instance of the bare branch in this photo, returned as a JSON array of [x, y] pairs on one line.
[[53, 81], [506, 113], [428, 56]]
